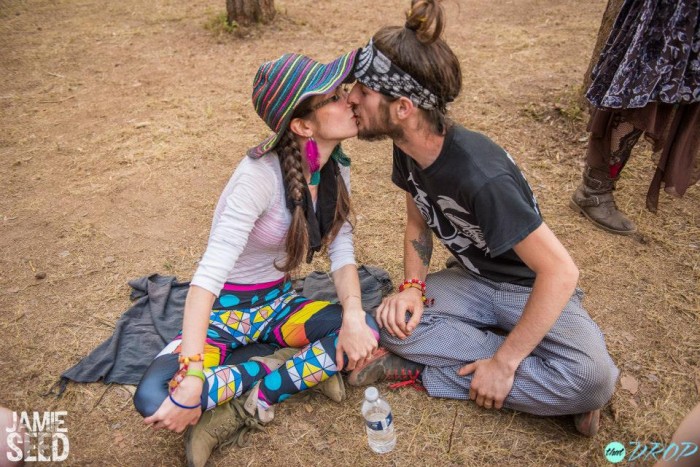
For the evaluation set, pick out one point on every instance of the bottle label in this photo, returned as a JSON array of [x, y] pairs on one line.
[[381, 424]]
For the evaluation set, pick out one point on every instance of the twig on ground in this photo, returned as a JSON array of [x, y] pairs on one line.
[[415, 431], [100, 398], [452, 431], [57, 102]]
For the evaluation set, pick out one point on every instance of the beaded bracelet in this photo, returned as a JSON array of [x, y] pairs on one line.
[[420, 285], [185, 370], [417, 283], [403, 287], [182, 406], [192, 358], [177, 378]]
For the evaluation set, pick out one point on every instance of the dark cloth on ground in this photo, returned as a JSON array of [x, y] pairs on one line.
[[155, 319]]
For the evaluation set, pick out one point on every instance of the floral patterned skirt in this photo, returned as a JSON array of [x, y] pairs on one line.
[[651, 55]]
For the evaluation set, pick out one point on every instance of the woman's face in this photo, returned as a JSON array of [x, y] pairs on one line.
[[332, 118]]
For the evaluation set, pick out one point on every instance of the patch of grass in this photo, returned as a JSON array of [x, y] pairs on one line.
[[569, 105], [218, 24]]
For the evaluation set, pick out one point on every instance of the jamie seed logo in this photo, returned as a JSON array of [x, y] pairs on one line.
[[37, 437]]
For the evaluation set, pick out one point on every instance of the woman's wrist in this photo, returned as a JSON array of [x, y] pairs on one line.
[[190, 385], [351, 300], [353, 314]]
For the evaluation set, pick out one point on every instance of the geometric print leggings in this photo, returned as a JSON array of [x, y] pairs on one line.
[[255, 320]]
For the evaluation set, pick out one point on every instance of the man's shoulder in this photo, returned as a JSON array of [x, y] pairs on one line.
[[474, 143]]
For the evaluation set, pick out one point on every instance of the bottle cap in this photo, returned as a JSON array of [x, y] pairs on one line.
[[371, 394]]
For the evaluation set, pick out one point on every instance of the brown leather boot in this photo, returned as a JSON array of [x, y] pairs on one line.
[[223, 425], [594, 199]]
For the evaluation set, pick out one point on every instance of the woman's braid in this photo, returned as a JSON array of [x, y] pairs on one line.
[[292, 172]]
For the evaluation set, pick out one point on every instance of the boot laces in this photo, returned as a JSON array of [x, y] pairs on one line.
[[236, 433], [405, 378]]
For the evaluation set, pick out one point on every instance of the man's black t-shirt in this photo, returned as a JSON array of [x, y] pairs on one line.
[[476, 201]]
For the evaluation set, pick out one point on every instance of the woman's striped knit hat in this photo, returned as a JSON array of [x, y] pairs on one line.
[[280, 85]]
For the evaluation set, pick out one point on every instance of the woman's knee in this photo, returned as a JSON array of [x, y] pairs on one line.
[[146, 401], [153, 388]]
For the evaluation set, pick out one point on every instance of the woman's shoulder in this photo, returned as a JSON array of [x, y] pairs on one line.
[[265, 167]]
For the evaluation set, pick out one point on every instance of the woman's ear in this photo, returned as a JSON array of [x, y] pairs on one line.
[[301, 127]]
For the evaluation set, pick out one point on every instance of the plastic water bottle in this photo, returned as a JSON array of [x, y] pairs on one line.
[[379, 422]]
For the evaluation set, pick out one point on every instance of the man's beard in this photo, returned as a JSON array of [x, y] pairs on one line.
[[381, 127]]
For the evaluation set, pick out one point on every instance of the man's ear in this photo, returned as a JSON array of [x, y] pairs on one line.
[[403, 108], [301, 127]]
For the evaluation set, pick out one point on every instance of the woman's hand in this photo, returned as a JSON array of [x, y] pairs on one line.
[[356, 339], [171, 417]]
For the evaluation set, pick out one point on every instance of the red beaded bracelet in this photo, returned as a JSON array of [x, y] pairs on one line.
[[420, 285], [413, 283]]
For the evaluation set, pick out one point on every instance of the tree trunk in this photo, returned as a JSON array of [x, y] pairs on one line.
[[609, 17], [247, 12]]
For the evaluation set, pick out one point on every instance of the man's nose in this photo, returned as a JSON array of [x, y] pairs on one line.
[[352, 96]]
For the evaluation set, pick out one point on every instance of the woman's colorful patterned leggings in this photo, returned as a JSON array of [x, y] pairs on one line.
[[254, 320]]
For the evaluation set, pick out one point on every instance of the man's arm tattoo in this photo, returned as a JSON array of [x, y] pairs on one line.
[[424, 246]]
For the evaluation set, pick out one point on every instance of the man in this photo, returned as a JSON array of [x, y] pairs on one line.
[[513, 277]]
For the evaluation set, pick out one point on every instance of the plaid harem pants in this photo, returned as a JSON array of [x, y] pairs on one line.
[[569, 372]]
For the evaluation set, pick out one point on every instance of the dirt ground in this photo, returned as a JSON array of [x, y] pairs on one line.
[[120, 123]]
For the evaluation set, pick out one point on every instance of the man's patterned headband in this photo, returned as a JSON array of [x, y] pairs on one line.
[[375, 70]]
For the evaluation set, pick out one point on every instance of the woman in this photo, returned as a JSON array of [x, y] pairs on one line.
[[285, 201]]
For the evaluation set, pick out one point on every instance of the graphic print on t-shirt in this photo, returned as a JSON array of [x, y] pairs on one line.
[[476, 201], [448, 232]]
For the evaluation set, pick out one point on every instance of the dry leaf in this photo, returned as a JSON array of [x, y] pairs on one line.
[[626, 335], [308, 408], [629, 383]]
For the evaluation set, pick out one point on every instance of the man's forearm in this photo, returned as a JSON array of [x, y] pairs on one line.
[[418, 249], [417, 243], [549, 296]]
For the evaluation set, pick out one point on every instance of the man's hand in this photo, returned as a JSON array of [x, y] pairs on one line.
[[356, 340], [391, 314], [491, 383], [171, 417]]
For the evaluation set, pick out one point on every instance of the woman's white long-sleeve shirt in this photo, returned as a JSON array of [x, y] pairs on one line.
[[249, 229]]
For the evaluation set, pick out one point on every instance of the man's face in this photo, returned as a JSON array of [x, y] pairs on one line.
[[372, 114]]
